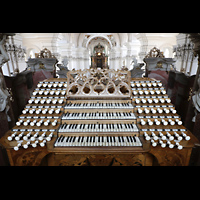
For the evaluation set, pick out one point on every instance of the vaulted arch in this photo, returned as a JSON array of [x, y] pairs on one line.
[[94, 36]]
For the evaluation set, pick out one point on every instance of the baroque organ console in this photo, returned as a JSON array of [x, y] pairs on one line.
[[99, 117]]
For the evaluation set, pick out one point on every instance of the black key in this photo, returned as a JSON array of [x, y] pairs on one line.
[[131, 139], [62, 139], [67, 139], [70, 139], [73, 140]]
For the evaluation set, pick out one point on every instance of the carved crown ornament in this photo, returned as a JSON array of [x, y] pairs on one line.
[[98, 83], [155, 53], [45, 53]]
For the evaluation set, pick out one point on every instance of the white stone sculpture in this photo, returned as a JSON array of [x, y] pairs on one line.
[[3, 56]]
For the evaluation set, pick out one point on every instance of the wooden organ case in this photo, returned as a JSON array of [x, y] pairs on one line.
[[99, 117]]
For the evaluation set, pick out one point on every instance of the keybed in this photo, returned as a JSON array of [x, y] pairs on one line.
[[105, 126], [98, 118], [99, 105], [97, 141], [87, 115]]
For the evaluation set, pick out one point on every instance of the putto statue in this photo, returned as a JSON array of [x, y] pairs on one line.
[[137, 70]]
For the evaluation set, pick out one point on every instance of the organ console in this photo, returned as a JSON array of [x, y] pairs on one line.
[[99, 117]]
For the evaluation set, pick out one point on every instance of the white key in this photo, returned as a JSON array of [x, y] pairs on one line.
[[117, 141], [89, 143], [80, 143], [63, 143], [138, 141], [125, 141], [104, 128], [96, 143], [130, 142], [76, 141], [105, 143], [85, 128], [121, 143], [85, 141], [112, 143], [70, 141], [100, 143], [93, 141], [109, 142]]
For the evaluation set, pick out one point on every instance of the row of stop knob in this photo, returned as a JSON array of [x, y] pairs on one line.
[[45, 101], [51, 85], [157, 122], [36, 122], [156, 110], [49, 92], [159, 84], [153, 100], [41, 111], [146, 92]]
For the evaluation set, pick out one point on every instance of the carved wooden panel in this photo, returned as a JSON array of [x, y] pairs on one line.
[[162, 157], [98, 83], [171, 157], [99, 159], [26, 157]]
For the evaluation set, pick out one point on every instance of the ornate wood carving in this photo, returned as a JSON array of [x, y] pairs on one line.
[[171, 157], [155, 53], [98, 82], [29, 157], [99, 159]]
